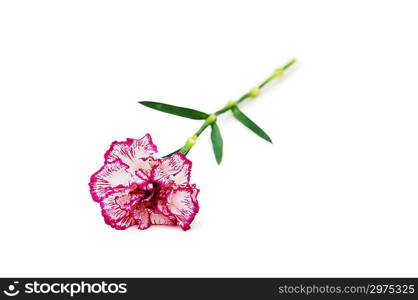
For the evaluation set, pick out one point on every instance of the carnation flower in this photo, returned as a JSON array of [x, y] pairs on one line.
[[134, 188]]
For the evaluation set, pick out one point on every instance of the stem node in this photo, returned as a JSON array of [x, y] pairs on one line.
[[253, 93], [211, 119]]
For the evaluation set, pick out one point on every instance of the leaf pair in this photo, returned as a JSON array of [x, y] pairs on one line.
[[217, 142]]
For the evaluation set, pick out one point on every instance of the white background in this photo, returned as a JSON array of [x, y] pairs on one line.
[[335, 195]]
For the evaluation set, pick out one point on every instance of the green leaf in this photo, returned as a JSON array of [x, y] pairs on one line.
[[217, 142], [176, 110], [239, 115]]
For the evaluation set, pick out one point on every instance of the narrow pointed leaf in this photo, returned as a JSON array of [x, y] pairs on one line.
[[176, 110], [240, 116], [217, 142]]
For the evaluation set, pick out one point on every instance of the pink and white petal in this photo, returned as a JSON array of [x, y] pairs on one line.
[[142, 218], [145, 168], [183, 177], [174, 169], [111, 177], [131, 152], [182, 204], [116, 211], [125, 222], [159, 219]]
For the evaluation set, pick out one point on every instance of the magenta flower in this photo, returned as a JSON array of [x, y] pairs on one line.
[[133, 188]]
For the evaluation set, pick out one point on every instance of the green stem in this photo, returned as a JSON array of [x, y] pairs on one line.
[[202, 128], [290, 63], [251, 94]]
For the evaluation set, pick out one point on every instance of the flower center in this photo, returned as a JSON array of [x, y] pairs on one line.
[[144, 193]]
